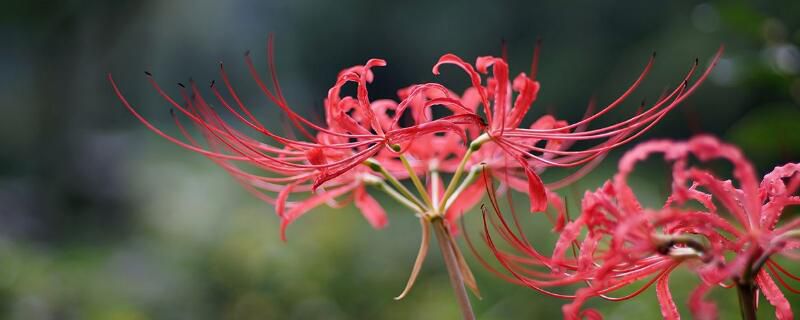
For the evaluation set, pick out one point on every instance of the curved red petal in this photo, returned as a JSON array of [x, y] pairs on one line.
[[668, 308], [536, 191], [311, 203], [783, 311], [370, 208]]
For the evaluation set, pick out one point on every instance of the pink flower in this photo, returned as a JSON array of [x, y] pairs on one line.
[[328, 161], [382, 143], [364, 142], [521, 153], [625, 242]]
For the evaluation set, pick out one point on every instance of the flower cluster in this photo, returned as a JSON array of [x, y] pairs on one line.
[[728, 233], [363, 142], [397, 146]]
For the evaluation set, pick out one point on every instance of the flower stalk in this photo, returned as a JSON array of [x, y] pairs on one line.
[[468, 180], [417, 183], [453, 269], [747, 300], [407, 195], [473, 146], [432, 215], [382, 186]]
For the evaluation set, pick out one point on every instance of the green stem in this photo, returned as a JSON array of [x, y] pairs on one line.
[[434, 186], [417, 183], [747, 300], [454, 181], [453, 269], [451, 187], [382, 186], [468, 180], [375, 166], [745, 287]]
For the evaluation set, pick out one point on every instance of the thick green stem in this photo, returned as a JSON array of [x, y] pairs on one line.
[[745, 286], [747, 300], [453, 268]]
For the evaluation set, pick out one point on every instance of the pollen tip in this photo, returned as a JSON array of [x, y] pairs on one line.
[[654, 53], [148, 73], [181, 85], [247, 53], [211, 85], [172, 112], [696, 61]]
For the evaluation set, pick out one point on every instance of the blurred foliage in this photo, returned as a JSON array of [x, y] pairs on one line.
[[103, 220]]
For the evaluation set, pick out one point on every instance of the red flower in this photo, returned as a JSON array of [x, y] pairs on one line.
[[330, 159], [359, 131], [625, 242], [380, 143], [517, 151]]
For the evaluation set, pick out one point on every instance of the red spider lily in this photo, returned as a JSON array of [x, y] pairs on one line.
[[625, 242], [512, 149], [379, 143], [356, 130]]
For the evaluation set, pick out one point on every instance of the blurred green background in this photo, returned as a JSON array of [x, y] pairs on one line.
[[101, 219]]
